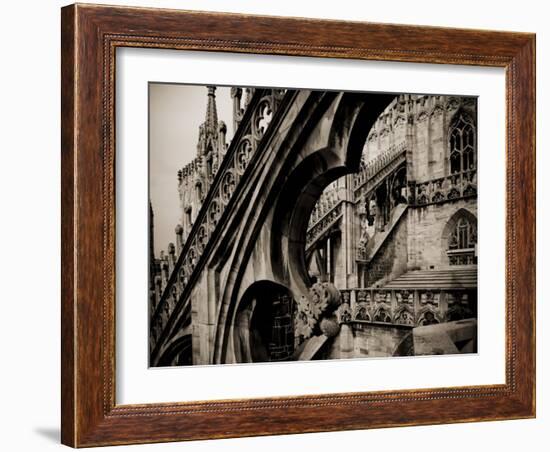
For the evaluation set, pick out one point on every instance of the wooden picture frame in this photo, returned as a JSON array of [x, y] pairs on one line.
[[90, 36]]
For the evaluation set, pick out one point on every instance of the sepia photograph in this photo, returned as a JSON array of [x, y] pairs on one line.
[[292, 224], [272, 223]]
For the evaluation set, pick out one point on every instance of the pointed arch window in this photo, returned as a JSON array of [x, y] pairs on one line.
[[462, 138], [463, 242]]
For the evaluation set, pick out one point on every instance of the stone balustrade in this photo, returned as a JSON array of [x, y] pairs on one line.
[[330, 217], [455, 186], [372, 168], [412, 307], [328, 200]]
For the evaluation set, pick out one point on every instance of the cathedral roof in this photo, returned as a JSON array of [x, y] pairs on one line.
[[452, 278]]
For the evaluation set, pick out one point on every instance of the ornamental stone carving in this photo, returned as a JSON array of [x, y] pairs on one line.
[[343, 313], [217, 168], [320, 304], [361, 312]]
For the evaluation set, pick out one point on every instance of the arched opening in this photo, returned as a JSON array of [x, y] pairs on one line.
[[326, 145], [353, 119], [179, 353], [304, 186], [264, 325], [459, 239]]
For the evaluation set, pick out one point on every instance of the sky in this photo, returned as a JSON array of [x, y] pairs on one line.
[[175, 114]]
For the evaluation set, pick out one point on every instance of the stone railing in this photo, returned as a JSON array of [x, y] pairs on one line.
[[412, 307], [369, 170], [331, 216], [328, 200], [455, 186], [180, 263]]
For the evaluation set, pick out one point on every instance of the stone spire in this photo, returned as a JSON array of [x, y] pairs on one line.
[[211, 121]]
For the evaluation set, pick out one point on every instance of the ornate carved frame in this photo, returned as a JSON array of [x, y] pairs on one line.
[[90, 36]]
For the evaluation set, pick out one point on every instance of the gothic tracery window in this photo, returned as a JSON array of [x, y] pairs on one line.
[[462, 242], [462, 144]]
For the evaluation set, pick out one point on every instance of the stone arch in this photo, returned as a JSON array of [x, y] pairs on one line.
[[289, 229], [332, 128], [272, 168], [254, 337], [354, 116], [176, 344], [178, 353]]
